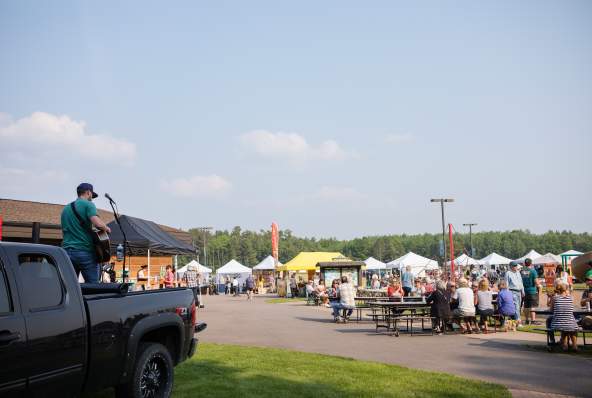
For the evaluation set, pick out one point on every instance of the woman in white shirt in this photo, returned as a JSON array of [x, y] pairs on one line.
[[484, 302], [466, 307]]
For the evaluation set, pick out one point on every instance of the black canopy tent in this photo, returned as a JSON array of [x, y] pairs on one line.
[[146, 237]]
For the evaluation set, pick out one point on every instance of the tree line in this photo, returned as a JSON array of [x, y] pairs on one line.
[[250, 247]]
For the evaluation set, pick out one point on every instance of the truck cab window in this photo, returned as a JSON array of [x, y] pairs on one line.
[[41, 280], [4, 295]]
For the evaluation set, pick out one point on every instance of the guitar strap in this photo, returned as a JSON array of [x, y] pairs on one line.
[[85, 226]]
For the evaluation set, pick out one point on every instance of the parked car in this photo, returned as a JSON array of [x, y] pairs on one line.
[[59, 338]]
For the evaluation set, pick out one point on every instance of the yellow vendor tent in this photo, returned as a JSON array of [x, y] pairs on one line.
[[307, 261]]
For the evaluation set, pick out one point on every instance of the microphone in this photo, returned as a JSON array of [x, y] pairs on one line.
[[109, 197]]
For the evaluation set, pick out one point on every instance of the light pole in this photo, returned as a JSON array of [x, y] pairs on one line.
[[442, 201], [471, 225], [205, 230]]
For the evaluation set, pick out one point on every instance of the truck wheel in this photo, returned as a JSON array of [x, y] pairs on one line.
[[152, 375]]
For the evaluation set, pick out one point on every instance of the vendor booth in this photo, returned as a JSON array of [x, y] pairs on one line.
[[229, 271], [147, 244], [264, 274], [303, 267]]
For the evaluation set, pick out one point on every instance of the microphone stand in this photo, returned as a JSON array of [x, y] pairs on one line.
[[125, 243]]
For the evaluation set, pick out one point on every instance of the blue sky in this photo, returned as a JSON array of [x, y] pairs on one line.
[[332, 118]]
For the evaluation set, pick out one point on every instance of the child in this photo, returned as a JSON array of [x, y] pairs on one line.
[[563, 317]]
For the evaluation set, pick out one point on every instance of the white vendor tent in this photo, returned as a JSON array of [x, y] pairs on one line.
[[231, 269], [373, 264], [571, 252], [267, 264], [533, 254], [418, 264], [548, 258], [464, 261], [495, 259], [204, 271]]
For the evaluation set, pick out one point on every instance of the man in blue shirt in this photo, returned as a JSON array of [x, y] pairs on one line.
[[77, 240], [407, 281], [516, 287]]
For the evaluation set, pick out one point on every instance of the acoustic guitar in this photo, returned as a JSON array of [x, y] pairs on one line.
[[100, 238], [102, 245]]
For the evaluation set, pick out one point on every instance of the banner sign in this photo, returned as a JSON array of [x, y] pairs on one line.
[[275, 242], [550, 276]]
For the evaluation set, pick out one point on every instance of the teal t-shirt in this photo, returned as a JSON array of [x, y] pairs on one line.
[[529, 280], [75, 236]]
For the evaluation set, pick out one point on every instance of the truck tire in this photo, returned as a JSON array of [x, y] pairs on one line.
[[152, 375]]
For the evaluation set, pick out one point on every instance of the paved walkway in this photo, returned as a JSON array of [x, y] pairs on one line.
[[516, 360]]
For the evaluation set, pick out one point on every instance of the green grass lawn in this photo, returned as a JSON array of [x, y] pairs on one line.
[[234, 371], [280, 300]]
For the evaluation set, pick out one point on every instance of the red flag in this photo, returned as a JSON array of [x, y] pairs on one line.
[[275, 241], [451, 250]]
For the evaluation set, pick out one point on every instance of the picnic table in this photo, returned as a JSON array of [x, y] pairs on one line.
[[550, 338], [392, 313]]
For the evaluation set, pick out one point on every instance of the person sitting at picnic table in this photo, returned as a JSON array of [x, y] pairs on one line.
[[439, 307], [563, 317], [586, 301], [505, 303], [334, 289], [346, 299], [466, 306], [394, 289], [418, 290], [310, 291], [484, 303], [450, 294], [321, 292]]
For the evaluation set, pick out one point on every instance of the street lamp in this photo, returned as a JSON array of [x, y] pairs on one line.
[[471, 225], [442, 201], [205, 230]]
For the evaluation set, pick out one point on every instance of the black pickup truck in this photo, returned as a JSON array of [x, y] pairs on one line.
[[62, 339]]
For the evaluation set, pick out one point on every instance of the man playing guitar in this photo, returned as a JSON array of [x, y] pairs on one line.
[[78, 218]]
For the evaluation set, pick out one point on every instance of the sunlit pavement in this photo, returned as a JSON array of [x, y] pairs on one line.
[[517, 360]]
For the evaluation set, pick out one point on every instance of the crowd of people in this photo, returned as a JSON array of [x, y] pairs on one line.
[[510, 297]]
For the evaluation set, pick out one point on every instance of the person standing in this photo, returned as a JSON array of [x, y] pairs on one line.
[[531, 290], [77, 238], [142, 277], [516, 287], [235, 285], [250, 286], [407, 279], [190, 277], [169, 277]]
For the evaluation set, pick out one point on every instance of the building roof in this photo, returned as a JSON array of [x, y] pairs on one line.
[[24, 211]]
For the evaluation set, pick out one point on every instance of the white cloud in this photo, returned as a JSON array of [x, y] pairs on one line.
[[197, 186], [292, 146], [43, 131], [18, 181], [399, 138]]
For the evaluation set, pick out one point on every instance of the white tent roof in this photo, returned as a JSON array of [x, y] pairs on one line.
[[372, 263], [233, 267], [571, 252], [533, 254], [268, 263], [415, 261], [465, 260], [495, 259], [200, 268], [548, 258]]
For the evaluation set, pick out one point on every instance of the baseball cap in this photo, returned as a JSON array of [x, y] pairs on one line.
[[85, 186], [528, 261], [513, 263], [588, 274]]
